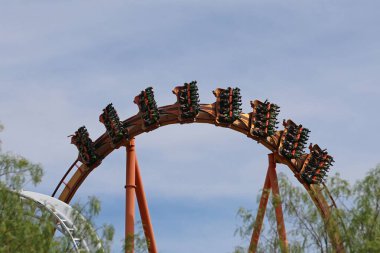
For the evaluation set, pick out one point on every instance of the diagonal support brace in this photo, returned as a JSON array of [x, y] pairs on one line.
[[144, 212], [271, 183]]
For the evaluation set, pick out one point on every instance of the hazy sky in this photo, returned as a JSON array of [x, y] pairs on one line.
[[62, 62]]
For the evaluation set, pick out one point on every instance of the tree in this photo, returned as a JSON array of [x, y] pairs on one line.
[[24, 227], [357, 215], [140, 244], [363, 221]]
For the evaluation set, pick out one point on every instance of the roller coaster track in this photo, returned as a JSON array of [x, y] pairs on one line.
[[66, 220], [208, 113]]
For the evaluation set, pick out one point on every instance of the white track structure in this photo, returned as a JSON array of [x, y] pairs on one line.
[[64, 221]]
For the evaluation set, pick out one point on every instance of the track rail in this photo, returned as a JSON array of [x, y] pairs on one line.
[[66, 220], [207, 114]]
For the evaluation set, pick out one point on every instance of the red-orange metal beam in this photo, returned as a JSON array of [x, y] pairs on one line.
[[277, 204], [130, 188], [64, 177], [260, 215], [144, 212], [271, 182], [207, 114]]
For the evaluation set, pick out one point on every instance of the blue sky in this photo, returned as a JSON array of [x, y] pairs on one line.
[[62, 62]]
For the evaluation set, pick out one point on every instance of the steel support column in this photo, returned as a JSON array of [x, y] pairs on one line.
[[144, 212], [271, 182], [260, 215], [130, 188], [277, 204]]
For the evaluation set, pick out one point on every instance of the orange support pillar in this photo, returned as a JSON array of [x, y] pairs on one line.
[[130, 188], [277, 204], [271, 182], [260, 215], [144, 212]]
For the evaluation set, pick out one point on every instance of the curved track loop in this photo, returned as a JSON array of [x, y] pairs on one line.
[[168, 116], [66, 220]]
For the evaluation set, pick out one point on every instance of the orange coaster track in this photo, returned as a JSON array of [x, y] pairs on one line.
[[208, 113]]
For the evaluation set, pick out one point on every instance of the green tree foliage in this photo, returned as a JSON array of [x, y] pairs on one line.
[[84, 220], [363, 221], [19, 230], [140, 244], [16, 171], [357, 216], [24, 226]]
